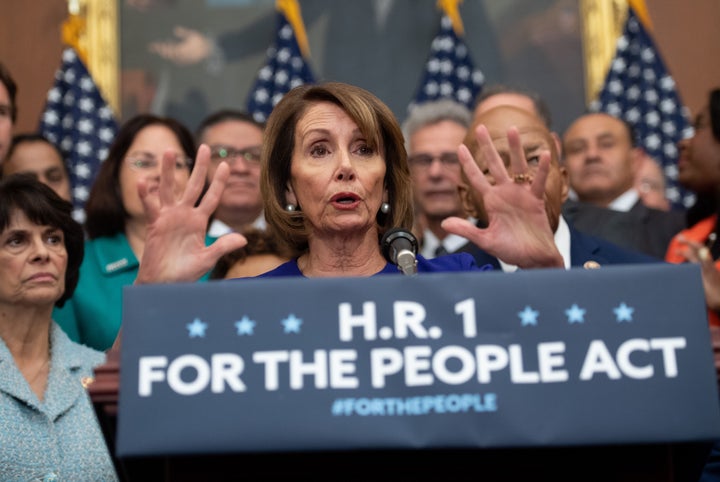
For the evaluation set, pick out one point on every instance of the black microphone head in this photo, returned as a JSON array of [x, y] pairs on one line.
[[396, 239]]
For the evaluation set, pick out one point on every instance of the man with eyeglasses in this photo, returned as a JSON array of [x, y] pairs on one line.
[[433, 131], [236, 138]]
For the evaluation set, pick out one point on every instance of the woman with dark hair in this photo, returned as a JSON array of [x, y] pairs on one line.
[[116, 222], [699, 171], [48, 429]]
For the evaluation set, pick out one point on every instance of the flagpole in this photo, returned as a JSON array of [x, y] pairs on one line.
[[451, 9], [92, 30], [291, 10]]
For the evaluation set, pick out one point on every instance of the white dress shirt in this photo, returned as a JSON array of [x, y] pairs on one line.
[[562, 241]]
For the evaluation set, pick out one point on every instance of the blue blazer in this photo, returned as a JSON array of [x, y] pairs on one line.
[[585, 251]]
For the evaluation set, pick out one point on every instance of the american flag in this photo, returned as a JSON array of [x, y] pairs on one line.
[[639, 89], [78, 120], [449, 70], [284, 69]]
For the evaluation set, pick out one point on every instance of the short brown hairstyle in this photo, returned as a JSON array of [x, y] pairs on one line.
[[106, 214], [376, 122]]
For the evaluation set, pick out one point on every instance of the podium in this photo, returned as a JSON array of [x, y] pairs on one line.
[[601, 463], [671, 459]]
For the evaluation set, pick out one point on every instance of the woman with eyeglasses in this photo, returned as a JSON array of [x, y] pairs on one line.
[[116, 223]]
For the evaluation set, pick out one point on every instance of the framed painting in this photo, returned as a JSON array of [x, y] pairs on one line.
[[187, 58]]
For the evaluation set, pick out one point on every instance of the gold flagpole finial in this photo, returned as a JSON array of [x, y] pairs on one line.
[[642, 12], [73, 29], [450, 8], [291, 10]]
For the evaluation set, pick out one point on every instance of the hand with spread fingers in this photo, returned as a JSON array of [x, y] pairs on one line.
[[518, 230], [175, 249]]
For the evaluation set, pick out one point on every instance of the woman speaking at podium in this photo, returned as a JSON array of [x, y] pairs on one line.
[[334, 180]]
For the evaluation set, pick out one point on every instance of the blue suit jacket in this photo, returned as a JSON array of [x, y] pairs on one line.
[[583, 249]]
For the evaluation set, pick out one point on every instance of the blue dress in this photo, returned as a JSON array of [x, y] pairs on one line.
[[449, 263]]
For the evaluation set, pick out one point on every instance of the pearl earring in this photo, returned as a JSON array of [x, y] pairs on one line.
[[385, 208], [290, 208]]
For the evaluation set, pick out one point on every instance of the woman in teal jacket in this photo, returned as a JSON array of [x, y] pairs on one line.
[[115, 224]]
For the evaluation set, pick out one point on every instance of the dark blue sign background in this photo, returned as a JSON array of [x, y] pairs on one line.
[[640, 332]]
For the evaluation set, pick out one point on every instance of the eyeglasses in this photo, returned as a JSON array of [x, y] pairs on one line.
[[150, 163], [251, 155], [424, 161]]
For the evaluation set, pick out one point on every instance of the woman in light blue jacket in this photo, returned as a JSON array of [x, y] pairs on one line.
[[48, 427]]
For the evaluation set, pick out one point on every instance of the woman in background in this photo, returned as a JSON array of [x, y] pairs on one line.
[[116, 223], [262, 253], [699, 171]]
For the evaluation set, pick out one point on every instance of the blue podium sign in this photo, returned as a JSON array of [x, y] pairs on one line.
[[618, 355]]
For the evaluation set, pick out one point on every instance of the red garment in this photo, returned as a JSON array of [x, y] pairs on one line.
[[698, 232]]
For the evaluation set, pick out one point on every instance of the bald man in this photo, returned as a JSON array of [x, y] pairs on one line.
[[603, 160], [577, 249]]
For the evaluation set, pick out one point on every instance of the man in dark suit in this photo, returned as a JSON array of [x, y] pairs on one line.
[[536, 140], [602, 160]]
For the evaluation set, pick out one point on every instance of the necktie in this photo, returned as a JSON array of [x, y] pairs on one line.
[[440, 251]]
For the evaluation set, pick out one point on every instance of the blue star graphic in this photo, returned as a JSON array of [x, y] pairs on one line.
[[528, 316], [197, 328], [245, 326], [575, 314], [292, 324], [623, 313]]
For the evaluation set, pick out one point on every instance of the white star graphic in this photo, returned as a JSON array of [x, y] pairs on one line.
[[292, 324], [245, 326], [623, 313], [575, 314], [528, 316], [197, 328]]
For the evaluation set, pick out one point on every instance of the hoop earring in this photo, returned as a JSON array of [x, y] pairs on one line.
[[385, 208], [290, 208]]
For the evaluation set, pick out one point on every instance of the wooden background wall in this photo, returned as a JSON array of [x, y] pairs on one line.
[[687, 35]]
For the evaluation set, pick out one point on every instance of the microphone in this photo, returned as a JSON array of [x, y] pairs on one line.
[[399, 247]]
